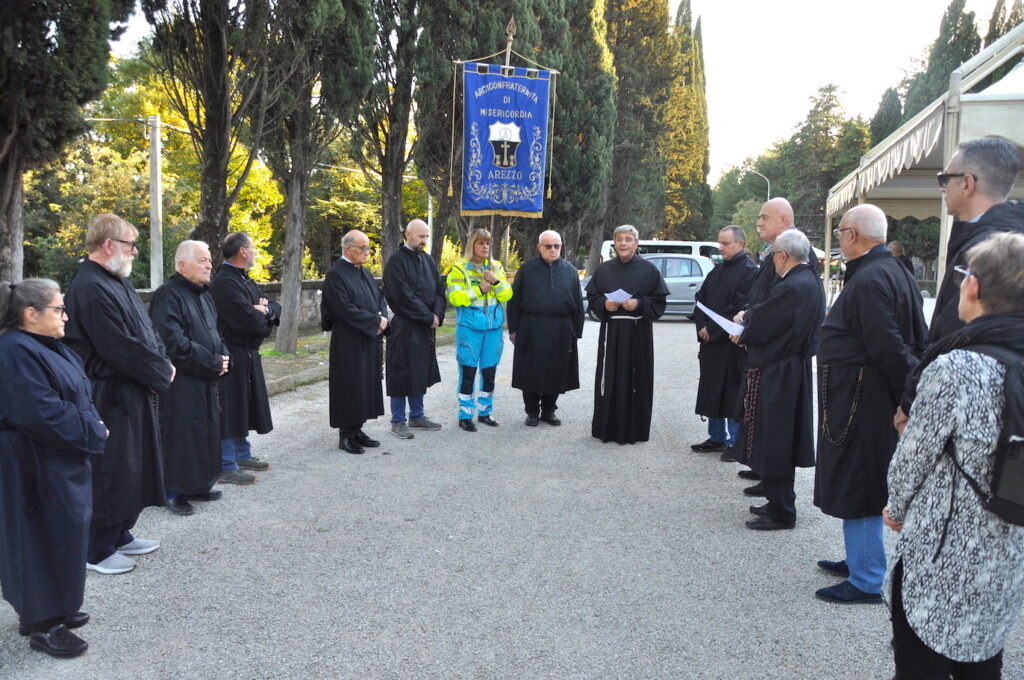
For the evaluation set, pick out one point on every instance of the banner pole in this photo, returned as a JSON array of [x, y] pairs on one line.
[[510, 31]]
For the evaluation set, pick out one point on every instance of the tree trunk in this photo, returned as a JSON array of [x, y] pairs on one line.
[[596, 239], [294, 247], [12, 223]]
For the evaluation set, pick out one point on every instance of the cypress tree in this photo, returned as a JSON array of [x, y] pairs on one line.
[[53, 60], [958, 41], [888, 116]]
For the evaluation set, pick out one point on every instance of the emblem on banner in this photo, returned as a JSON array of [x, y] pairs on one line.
[[504, 139]]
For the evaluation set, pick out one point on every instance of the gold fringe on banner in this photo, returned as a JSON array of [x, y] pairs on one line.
[[500, 213]]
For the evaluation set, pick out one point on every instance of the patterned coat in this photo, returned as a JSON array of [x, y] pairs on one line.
[[962, 600]]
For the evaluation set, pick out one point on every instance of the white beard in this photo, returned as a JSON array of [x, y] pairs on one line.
[[119, 264]]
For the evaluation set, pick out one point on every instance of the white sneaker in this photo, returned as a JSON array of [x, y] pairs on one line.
[[115, 564], [139, 546]]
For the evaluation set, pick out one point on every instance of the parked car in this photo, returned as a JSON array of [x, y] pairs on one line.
[[684, 275]]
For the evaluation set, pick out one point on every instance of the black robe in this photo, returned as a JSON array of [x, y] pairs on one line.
[[873, 335], [546, 315], [243, 390], [352, 307], [109, 328], [766, 276], [415, 293], [624, 379], [781, 334], [49, 431], [184, 315], [724, 291]]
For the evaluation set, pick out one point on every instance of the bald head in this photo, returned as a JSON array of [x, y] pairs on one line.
[[549, 246], [862, 228], [776, 216], [416, 234]]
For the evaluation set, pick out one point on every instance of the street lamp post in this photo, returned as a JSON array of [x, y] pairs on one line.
[[766, 180]]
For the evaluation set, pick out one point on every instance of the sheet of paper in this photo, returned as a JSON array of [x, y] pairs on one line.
[[619, 296], [728, 326]]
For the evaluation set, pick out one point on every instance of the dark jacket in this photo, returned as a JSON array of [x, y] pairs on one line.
[[49, 431], [873, 336], [352, 306], [109, 328], [415, 292], [243, 390], [546, 315], [184, 315]]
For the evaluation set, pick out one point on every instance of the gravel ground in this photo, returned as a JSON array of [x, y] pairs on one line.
[[510, 553]]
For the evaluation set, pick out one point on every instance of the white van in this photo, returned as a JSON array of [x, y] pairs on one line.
[[708, 249]]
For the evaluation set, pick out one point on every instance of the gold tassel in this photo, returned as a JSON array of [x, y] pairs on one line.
[[451, 190]]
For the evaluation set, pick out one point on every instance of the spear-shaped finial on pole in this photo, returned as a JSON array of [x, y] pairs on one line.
[[510, 32]]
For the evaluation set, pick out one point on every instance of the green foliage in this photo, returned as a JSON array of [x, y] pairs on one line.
[[958, 41], [688, 204], [644, 59], [999, 24], [888, 116], [920, 238], [745, 216]]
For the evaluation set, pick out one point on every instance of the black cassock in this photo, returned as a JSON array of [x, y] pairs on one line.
[[415, 292], [546, 314], [49, 432], [184, 315], [243, 390], [351, 309], [624, 380], [724, 291], [781, 334], [110, 330], [873, 336]]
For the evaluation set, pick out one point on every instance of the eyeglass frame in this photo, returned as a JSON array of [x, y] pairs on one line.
[[943, 178], [61, 309], [838, 232], [364, 249], [549, 246], [133, 245]]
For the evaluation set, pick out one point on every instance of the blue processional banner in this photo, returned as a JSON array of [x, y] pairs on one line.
[[505, 139]]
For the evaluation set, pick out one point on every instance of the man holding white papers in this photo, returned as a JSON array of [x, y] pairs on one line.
[[627, 293], [724, 292]]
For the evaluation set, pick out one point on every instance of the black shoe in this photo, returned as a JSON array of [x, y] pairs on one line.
[[211, 495], [759, 510], [749, 474], [729, 456], [766, 523], [350, 445], [181, 506], [757, 491], [59, 642], [467, 425], [487, 420], [708, 446], [835, 568], [76, 620], [550, 419], [363, 440], [532, 421]]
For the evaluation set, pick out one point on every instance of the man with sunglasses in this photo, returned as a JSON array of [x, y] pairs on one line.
[[976, 183], [124, 358], [545, 319]]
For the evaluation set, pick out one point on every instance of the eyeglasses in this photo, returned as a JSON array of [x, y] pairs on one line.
[[778, 252], [364, 249], [838, 233], [960, 274], [551, 246], [944, 177], [132, 245], [61, 310]]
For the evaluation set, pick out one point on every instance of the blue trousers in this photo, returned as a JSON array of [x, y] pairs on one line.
[[232, 450], [723, 430], [398, 408], [865, 552]]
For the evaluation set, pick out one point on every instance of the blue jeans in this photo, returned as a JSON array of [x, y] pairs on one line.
[[723, 430], [865, 552], [398, 408], [232, 450]]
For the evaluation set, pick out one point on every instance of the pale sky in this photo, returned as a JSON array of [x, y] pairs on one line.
[[764, 60]]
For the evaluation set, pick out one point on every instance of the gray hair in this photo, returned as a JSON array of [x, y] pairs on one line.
[[795, 244], [869, 221], [622, 229], [186, 250], [994, 160], [349, 239], [998, 264], [737, 233], [15, 298]]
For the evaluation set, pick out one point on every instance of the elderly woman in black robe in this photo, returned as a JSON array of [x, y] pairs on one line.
[[49, 430]]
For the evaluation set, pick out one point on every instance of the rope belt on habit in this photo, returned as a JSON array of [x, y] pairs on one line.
[[604, 354]]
